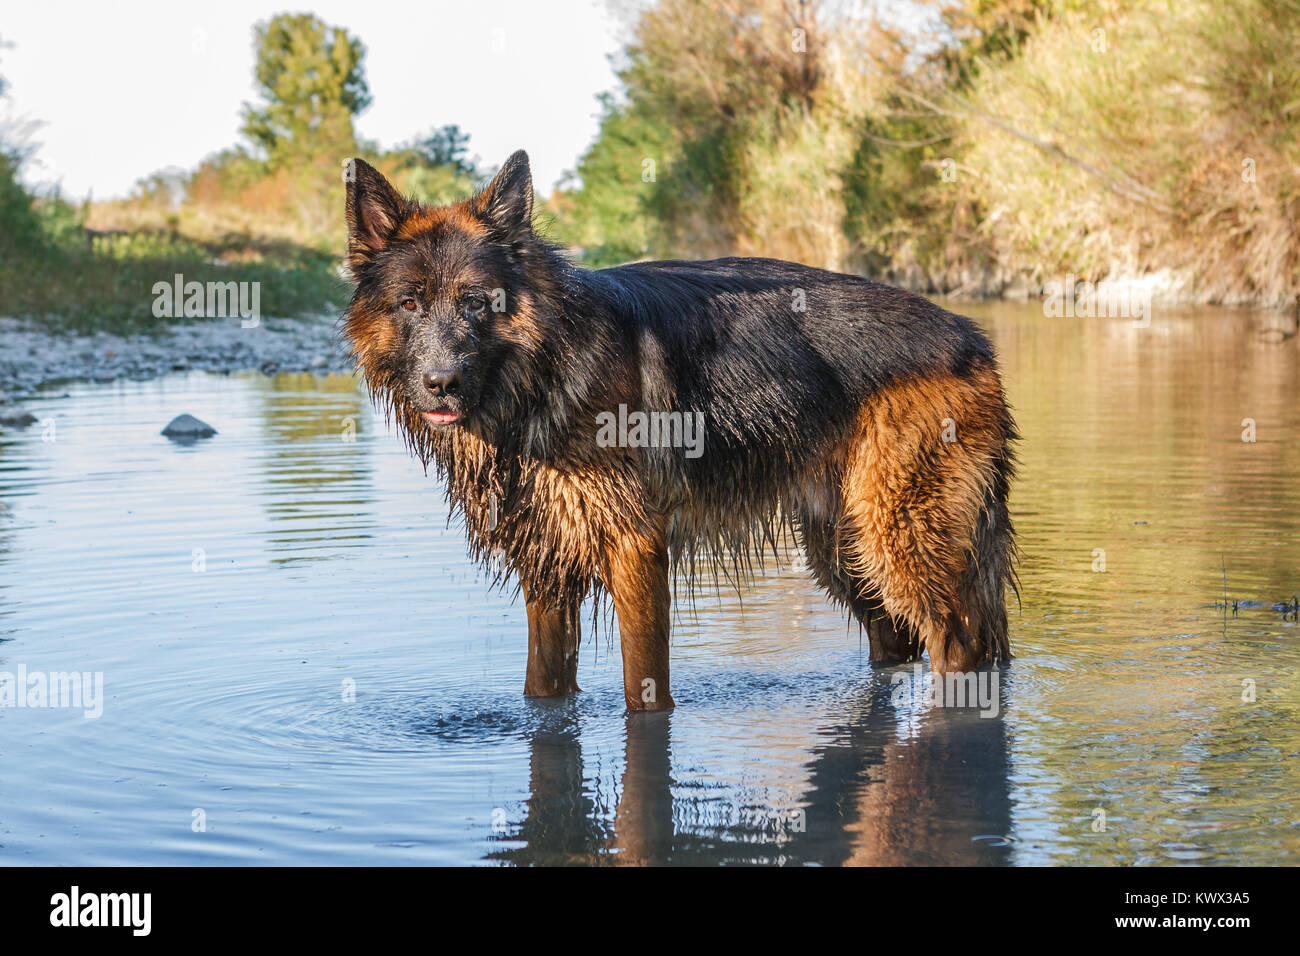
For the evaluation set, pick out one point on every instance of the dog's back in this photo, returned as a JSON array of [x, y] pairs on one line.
[[865, 416]]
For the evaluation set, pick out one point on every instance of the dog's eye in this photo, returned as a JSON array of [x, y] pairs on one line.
[[408, 304], [474, 303]]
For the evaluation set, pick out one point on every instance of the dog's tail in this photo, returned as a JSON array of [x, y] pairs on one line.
[[992, 573]]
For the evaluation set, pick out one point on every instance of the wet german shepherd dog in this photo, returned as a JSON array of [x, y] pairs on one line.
[[559, 404]]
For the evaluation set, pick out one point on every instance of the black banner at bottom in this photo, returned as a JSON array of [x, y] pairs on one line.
[[263, 904]]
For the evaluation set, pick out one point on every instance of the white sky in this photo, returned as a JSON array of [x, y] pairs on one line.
[[125, 89]]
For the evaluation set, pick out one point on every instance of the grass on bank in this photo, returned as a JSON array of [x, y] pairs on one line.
[[107, 283]]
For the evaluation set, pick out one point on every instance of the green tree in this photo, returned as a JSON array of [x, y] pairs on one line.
[[706, 85], [433, 168], [20, 228], [605, 209], [313, 82], [446, 146]]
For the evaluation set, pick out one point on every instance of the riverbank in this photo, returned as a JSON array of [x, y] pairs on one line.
[[33, 356]]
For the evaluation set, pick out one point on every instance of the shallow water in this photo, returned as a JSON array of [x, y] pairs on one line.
[[300, 666]]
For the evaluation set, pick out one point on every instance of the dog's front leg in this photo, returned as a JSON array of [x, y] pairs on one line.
[[553, 637], [638, 583]]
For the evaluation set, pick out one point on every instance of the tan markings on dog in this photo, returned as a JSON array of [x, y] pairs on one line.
[[523, 326], [553, 639], [912, 502], [428, 218], [552, 524], [372, 336], [637, 580]]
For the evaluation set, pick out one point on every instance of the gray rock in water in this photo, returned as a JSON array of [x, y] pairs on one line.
[[18, 421], [187, 428]]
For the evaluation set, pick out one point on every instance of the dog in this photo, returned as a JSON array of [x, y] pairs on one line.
[[605, 432]]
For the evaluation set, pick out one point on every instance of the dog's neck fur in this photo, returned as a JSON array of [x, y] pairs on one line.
[[540, 433]]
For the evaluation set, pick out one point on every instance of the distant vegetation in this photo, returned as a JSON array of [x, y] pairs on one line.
[[1003, 144], [1011, 142], [267, 211]]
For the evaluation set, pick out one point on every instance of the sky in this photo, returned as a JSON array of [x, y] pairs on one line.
[[122, 90]]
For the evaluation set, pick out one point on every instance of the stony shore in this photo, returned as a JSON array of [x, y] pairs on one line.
[[32, 357]]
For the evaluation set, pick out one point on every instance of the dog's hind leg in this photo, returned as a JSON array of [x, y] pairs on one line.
[[924, 501], [890, 640], [553, 638]]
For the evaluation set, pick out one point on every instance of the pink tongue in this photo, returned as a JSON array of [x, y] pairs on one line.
[[441, 418]]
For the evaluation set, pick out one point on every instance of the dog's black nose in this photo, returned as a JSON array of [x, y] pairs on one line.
[[442, 381]]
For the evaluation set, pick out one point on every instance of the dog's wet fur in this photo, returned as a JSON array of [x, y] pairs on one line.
[[864, 419]]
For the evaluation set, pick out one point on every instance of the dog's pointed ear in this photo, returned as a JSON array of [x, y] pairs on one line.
[[506, 203], [374, 210]]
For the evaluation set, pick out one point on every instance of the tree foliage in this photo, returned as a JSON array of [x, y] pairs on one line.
[[312, 80]]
